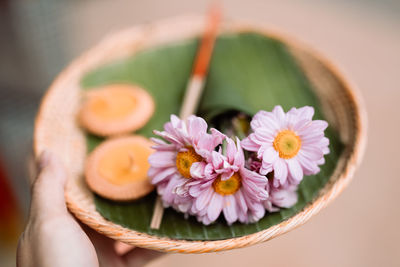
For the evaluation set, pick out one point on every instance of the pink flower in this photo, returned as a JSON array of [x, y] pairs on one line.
[[187, 143], [290, 144], [223, 184], [281, 197]]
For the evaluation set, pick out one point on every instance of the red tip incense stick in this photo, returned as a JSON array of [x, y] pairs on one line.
[[195, 85]]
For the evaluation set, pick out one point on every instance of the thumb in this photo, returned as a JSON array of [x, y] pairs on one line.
[[48, 188]]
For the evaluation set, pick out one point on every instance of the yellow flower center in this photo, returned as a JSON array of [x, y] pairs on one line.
[[229, 186], [287, 144], [184, 161]]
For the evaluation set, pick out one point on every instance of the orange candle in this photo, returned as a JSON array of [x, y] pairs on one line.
[[117, 168], [116, 109]]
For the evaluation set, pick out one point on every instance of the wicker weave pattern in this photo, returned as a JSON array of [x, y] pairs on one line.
[[57, 118]]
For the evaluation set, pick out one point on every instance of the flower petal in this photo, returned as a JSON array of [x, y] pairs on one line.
[[265, 134], [280, 170], [249, 145], [230, 150], [270, 155], [195, 191], [309, 166], [306, 112], [319, 125], [239, 155], [284, 198], [160, 176], [204, 199], [215, 206], [169, 137], [280, 115], [311, 152], [218, 137], [162, 159], [257, 212], [196, 126], [217, 160], [229, 209], [197, 170], [241, 201], [295, 169]]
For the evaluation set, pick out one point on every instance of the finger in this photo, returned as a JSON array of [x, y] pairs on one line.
[[140, 256], [48, 188], [32, 169], [122, 248]]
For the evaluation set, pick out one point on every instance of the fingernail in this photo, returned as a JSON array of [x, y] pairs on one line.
[[44, 159]]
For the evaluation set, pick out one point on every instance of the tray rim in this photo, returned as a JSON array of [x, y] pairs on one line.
[[331, 191]]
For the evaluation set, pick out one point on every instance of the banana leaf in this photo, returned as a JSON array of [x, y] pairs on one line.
[[248, 72]]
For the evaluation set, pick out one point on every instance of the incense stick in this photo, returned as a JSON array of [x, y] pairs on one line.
[[195, 87]]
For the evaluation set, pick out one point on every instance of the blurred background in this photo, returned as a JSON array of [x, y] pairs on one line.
[[39, 37]]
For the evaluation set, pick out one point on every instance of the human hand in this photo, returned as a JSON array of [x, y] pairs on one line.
[[53, 237]]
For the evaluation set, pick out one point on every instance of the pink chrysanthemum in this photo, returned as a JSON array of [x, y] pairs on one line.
[[223, 184], [281, 197], [188, 143], [290, 144]]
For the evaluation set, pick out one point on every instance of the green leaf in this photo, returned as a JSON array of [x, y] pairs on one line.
[[248, 72]]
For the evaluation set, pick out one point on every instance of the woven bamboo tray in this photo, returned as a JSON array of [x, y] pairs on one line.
[[56, 128]]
